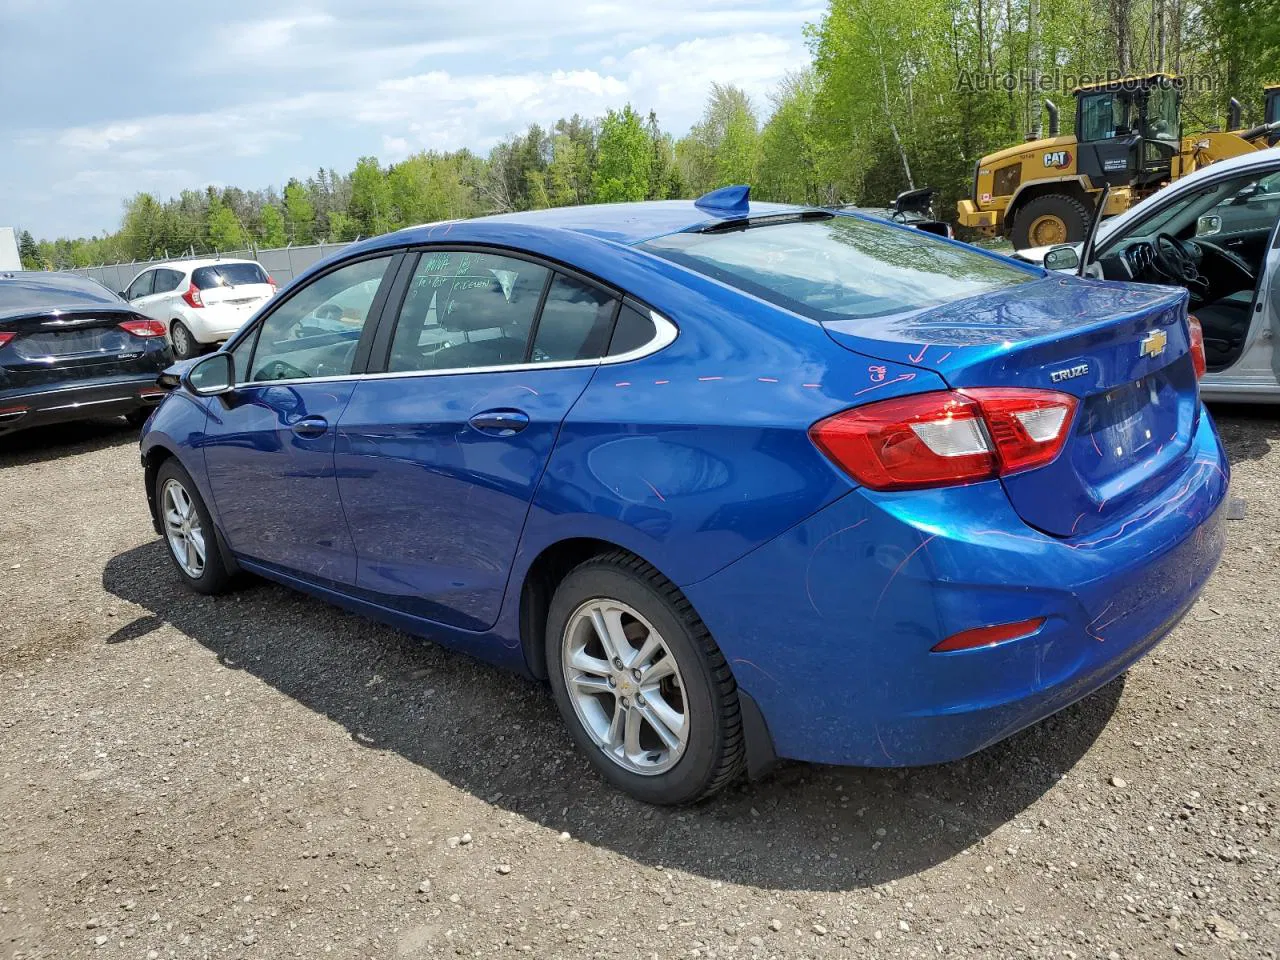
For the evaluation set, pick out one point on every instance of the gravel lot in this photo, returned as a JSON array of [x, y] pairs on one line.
[[260, 775]]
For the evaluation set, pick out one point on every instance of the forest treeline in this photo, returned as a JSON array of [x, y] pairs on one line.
[[897, 95]]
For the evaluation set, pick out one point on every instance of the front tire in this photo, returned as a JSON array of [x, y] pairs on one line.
[[185, 345], [641, 685], [188, 530], [1050, 220]]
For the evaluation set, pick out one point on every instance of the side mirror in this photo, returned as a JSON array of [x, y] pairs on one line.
[[1064, 257], [211, 376], [1208, 225]]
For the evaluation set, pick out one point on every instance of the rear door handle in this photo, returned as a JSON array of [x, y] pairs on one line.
[[500, 423], [311, 427]]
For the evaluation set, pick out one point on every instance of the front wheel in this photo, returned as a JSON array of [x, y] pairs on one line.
[[641, 684], [1050, 220], [188, 530]]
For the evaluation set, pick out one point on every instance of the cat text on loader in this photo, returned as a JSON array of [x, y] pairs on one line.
[[1128, 137]]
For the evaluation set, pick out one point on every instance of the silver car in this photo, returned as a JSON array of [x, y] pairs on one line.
[[1216, 233]]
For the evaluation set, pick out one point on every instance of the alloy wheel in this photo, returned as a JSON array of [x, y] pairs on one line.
[[182, 340], [183, 529], [625, 686]]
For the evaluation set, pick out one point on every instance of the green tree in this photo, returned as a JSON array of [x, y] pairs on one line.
[[271, 227], [223, 229], [370, 206], [665, 182], [28, 252], [299, 214], [788, 152], [623, 157]]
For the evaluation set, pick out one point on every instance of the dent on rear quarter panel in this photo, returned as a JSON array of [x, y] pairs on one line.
[[697, 455]]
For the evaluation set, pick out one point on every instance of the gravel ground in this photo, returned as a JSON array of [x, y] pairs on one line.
[[260, 775]]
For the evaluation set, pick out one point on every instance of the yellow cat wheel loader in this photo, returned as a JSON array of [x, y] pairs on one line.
[[1128, 137]]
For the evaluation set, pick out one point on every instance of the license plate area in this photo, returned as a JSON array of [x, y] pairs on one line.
[[102, 342]]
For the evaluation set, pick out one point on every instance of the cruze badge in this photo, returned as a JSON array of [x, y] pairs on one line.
[[1153, 343], [1070, 373]]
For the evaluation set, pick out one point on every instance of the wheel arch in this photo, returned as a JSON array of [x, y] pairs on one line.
[[1076, 187], [155, 457], [546, 572], [152, 459]]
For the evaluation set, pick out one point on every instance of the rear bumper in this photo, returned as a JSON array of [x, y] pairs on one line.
[[854, 599], [20, 410], [214, 324]]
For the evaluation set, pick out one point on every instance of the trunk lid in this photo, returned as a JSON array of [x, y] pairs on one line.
[[69, 344], [1122, 350]]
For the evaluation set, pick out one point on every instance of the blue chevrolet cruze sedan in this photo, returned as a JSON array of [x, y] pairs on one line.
[[741, 481]]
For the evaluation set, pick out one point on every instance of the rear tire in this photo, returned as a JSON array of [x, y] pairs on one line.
[[185, 346], [1050, 220], [601, 696], [189, 533], [136, 418]]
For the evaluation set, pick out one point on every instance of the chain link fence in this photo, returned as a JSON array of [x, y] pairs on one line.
[[283, 263]]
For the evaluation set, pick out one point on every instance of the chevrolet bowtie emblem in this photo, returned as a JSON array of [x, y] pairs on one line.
[[1153, 343]]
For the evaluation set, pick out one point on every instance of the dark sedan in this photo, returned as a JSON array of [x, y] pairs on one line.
[[70, 349]]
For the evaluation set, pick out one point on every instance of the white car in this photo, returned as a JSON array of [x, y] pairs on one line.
[[200, 302], [1217, 234]]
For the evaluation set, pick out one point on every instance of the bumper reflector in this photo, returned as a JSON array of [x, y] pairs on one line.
[[989, 636]]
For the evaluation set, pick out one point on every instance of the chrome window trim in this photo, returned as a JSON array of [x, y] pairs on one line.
[[666, 333]]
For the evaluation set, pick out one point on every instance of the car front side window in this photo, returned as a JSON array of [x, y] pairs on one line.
[[464, 310], [315, 332], [141, 286]]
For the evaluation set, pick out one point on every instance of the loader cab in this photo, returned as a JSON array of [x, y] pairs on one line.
[[1129, 130], [1271, 108]]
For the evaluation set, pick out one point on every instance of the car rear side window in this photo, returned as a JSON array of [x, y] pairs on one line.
[[576, 321], [465, 310], [841, 268], [315, 332], [167, 280], [634, 329], [228, 275]]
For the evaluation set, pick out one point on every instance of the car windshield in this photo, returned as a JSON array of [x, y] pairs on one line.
[[840, 268], [228, 275]]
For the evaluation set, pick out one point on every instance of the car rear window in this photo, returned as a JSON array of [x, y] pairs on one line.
[[840, 268], [228, 275]]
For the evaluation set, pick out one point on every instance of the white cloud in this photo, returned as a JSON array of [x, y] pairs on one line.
[[390, 77]]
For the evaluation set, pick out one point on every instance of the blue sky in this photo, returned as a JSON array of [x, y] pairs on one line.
[[103, 100]]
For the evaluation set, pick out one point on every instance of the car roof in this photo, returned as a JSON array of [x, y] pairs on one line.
[[626, 223], [21, 292], [195, 264]]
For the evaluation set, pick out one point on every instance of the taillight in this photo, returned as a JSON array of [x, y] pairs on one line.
[[5, 337], [989, 636], [144, 328], [192, 296], [945, 438], [1197, 346]]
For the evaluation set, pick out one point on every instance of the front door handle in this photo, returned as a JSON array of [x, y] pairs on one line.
[[500, 423], [311, 427]]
